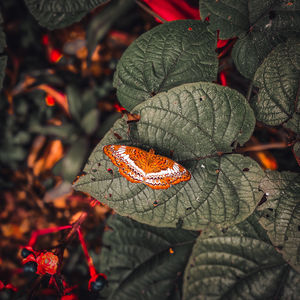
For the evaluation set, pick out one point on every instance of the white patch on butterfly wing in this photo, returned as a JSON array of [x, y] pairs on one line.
[[120, 154], [154, 182], [170, 172], [133, 175]]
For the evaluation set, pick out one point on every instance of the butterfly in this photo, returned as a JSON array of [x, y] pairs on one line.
[[139, 166]]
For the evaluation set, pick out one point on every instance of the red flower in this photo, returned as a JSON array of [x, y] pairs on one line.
[[47, 263]]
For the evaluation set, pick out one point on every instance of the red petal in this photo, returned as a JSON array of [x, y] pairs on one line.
[[171, 10]]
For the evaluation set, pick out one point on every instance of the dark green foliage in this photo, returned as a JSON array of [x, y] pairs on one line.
[[234, 258], [238, 263], [281, 214], [144, 262], [102, 22], [164, 57], [60, 13], [259, 26], [278, 82], [249, 219], [16, 132], [75, 132], [3, 58], [296, 151], [293, 123], [196, 128]]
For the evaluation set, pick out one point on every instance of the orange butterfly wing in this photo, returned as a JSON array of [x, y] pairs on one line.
[[164, 172], [121, 157], [137, 165]]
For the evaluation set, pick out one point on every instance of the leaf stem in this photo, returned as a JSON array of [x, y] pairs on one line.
[[264, 147], [249, 91], [246, 149]]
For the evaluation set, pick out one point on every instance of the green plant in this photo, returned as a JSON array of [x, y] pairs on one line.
[[16, 134], [246, 247], [233, 230]]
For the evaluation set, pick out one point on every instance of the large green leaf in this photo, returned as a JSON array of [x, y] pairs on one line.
[[60, 13], [250, 50], [239, 263], [166, 56], [144, 262], [281, 214], [196, 122], [3, 59], [278, 79], [260, 26]]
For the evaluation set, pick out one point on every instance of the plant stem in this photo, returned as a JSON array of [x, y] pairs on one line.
[[264, 147], [72, 233], [249, 91]]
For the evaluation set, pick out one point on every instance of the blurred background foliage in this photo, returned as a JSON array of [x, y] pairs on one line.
[[58, 83], [56, 103]]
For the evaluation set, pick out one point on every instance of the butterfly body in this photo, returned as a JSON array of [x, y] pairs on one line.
[[140, 166]]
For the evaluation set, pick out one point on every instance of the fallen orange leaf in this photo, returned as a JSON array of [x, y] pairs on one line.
[[75, 217], [52, 154], [37, 145]]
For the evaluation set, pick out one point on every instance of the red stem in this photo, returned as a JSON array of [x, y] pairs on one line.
[[37, 233], [92, 269]]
